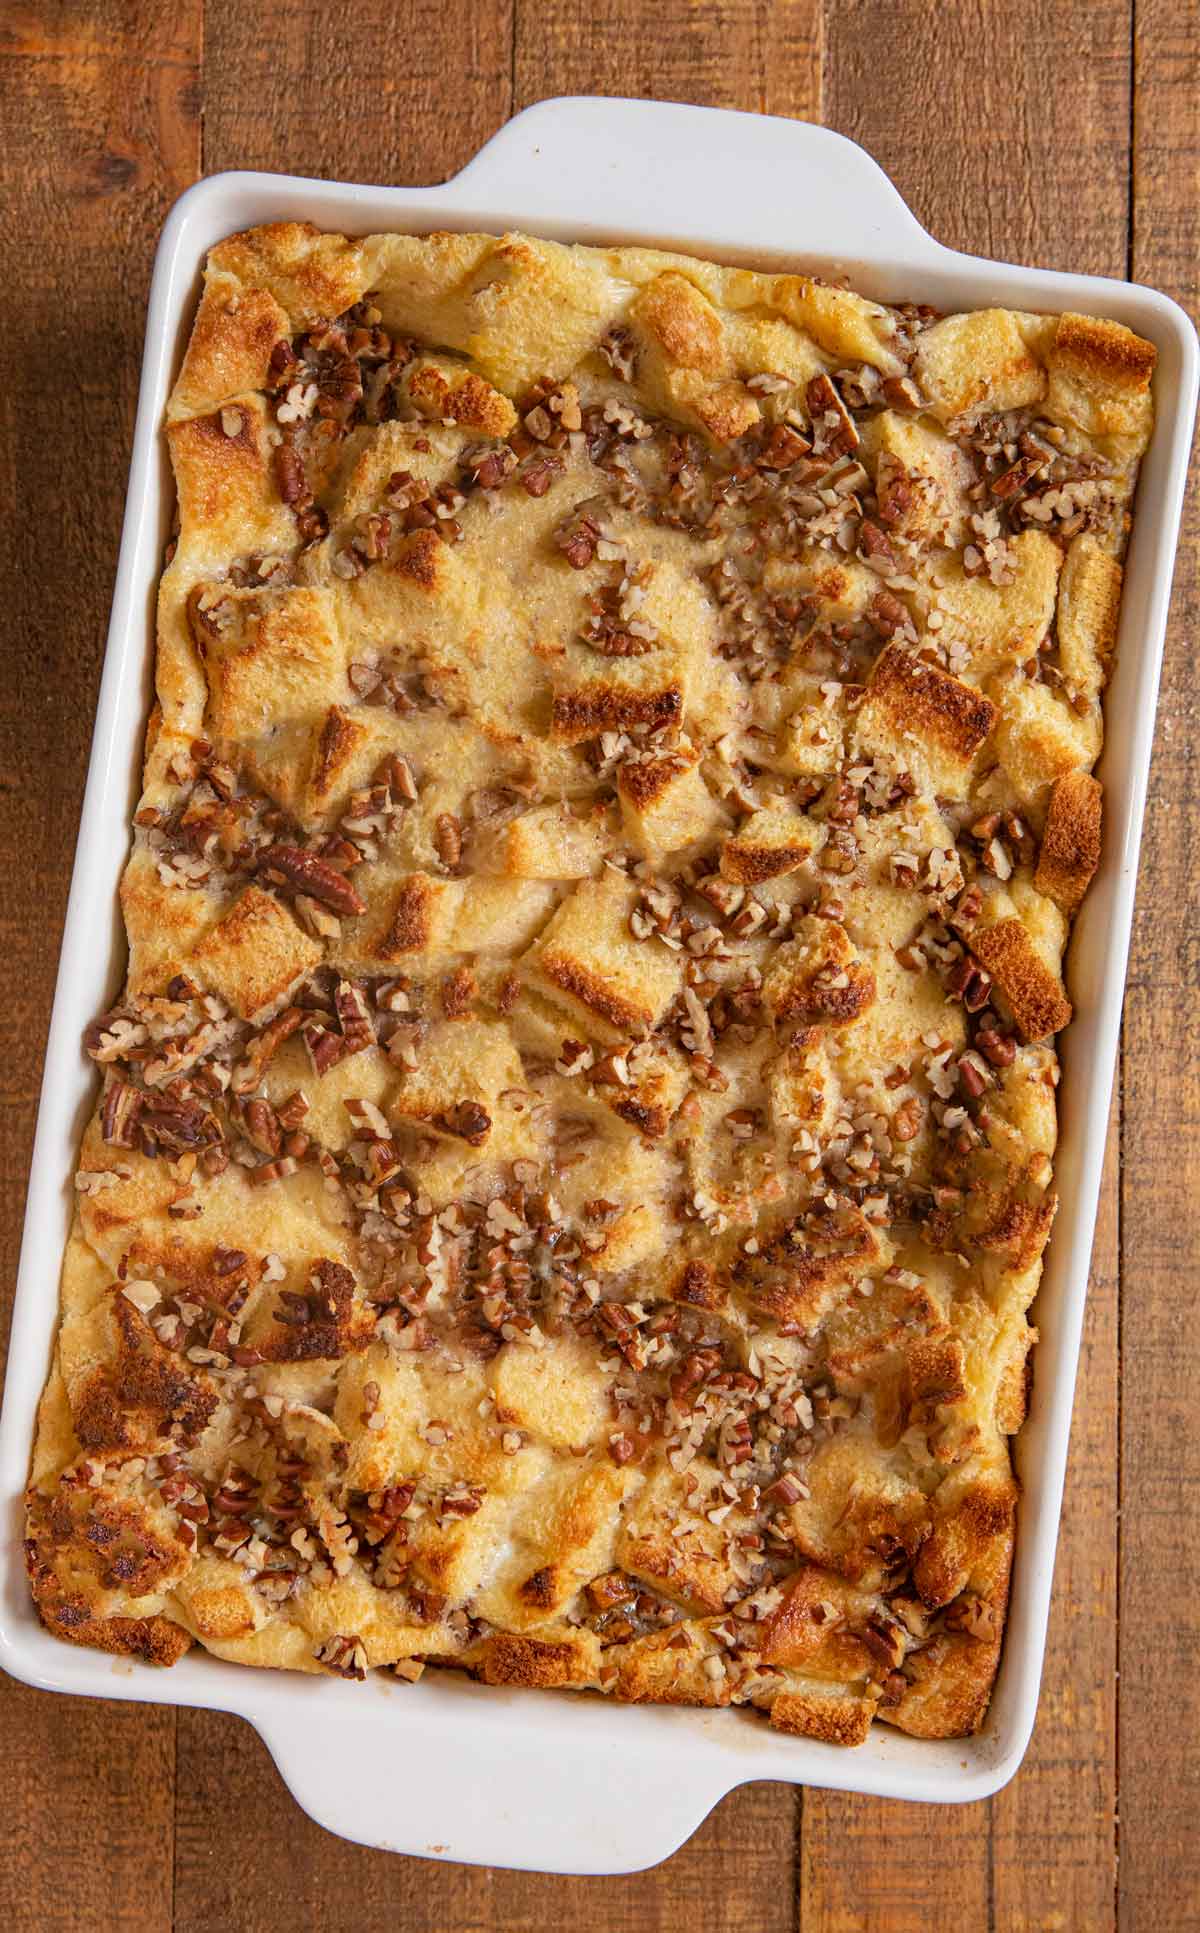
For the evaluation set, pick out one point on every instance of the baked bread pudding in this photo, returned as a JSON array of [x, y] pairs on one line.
[[575, 1144]]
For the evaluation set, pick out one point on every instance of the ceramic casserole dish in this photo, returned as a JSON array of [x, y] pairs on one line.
[[448, 1768]]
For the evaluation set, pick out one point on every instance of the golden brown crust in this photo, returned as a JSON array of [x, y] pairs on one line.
[[824, 1715], [1105, 351], [916, 697], [1036, 996], [1070, 850], [573, 1154]]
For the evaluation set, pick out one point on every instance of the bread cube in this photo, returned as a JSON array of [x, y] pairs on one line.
[[977, 361], [772, 841], [929, 721], [665, 804], [254, 954], [589, 961], [1000, 624]]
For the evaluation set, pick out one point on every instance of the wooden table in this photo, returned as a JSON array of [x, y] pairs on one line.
[[1064, 132]]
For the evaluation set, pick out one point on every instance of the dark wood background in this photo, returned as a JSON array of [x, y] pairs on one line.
[[1061, 132]]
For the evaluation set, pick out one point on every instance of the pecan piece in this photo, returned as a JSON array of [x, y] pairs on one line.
[[325, 1048], [469, 1120], [448, 840], [578, 535], [122, 1105], [875, 548], [833, 428], [262, 1126], [290, 866], [354, 1017], [289, 473], [784, 447]]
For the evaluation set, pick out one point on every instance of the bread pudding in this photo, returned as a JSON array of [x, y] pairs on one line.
[[575, 1145]]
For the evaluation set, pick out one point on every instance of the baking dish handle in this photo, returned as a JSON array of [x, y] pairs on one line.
[[780, 183], [398, 1779]]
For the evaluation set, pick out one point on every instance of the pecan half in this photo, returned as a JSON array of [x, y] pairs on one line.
[[305, 873]]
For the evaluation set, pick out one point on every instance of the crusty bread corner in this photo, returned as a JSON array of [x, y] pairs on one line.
[[574, 1151]]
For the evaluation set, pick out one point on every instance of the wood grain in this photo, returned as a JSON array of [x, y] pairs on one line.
[[392, 92], [1007, 125], [1017, 86], [99, 131], [736, 53], [1160, 1199]]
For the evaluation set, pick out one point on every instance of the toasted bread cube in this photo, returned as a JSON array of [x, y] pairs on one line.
[[463, 1067], [931, 722], [1070, 850], [977, 361], [418, 919], [817, 976], [1036, 996], [677, 319], [588, 960], [1100, 377], [665, 803], [558, 1392], [801, 1092], [561, 1535], [1039, 736], [441, 388], [253, 955], [638, 1234], [811, 740], [269, 656], [413, 1389], [799, 1275], [228, 493], [1089, 605], [501, 915], [547, 842], [846, 325], [772, 841], [369, 1076], [931, 505], [844, 586], [1001, 624], [657, 1083], [651, 700], [821, 1711], [694, 1570]]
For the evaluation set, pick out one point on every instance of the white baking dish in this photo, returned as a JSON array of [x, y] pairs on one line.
[[558, 1781]]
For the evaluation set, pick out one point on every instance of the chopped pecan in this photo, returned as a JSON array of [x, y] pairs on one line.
[[354, 1017], [262, 1126], [305, 873], [325, 1048], [469, 1120], [783, 447], [448, 840], [118, 1120], [833, 428]]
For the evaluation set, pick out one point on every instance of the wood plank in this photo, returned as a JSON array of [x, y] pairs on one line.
[[405, 91], [735, 53], [1159, 1713], [1016, 87], [241, 1838], [99, 131], [1054, 1853], [1028, 103]]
